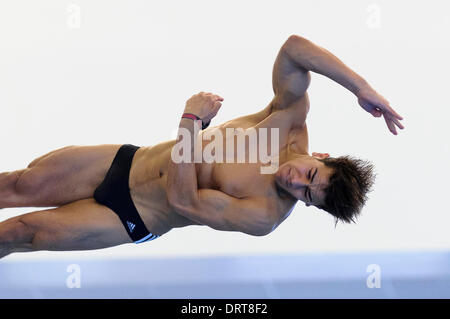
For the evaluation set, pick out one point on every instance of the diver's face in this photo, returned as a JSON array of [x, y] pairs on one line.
[[305, 178]]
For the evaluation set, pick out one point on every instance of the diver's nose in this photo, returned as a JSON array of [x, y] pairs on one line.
[[298, 180]]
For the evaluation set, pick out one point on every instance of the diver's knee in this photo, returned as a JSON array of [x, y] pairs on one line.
[[30, 182], [14, 232]]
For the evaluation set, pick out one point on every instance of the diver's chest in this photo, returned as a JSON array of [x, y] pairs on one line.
[[240, 180]]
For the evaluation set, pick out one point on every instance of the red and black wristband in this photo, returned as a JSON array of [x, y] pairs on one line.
[[195, 118]]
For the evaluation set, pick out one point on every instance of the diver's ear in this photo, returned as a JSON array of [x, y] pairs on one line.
[[320, 155]]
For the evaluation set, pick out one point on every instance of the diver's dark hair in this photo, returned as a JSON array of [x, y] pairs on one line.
[[348, 186]]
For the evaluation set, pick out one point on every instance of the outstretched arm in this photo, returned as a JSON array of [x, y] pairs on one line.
[[299, 55]]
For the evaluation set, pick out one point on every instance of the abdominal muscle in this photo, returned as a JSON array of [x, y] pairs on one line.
[[148, 179]]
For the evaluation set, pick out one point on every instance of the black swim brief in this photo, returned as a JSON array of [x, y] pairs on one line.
[[114, 192]]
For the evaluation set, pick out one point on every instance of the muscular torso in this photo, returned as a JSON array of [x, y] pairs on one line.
[[148, 175]]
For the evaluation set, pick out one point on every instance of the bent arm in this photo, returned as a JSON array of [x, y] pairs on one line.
[[291, 78], [214, 208], [206, 206], [223, 212], [311, 57], [211, 207], [182, 176]]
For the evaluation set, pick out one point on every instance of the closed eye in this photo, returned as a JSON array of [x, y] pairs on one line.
[[308, 190], [314, 175]]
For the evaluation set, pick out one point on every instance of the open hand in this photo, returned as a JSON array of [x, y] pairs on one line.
[[378, 106]]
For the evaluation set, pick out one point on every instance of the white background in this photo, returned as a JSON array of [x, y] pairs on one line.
[[124, 75]]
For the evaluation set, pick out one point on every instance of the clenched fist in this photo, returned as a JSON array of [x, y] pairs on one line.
[[204, 105]]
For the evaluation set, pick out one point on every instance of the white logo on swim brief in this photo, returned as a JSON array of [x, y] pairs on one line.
[[131, 226]]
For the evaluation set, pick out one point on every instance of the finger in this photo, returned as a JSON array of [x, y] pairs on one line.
[[393, 113], [397, 122], [217, 97], [390, 125], [215, 107], [213, 96]]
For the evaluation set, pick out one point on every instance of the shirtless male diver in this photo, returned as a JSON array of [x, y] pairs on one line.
[[108, 195]]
